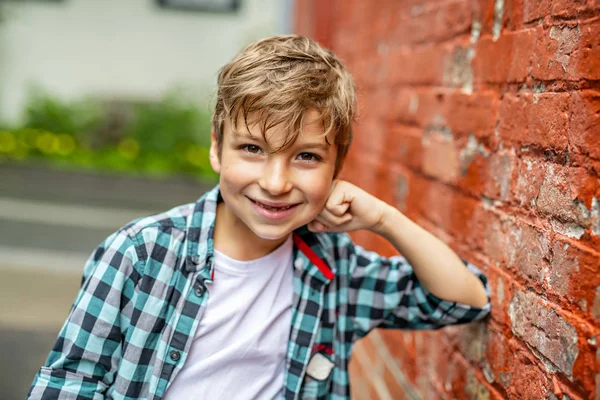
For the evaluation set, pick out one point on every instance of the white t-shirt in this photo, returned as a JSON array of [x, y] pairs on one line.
[[239, 348]]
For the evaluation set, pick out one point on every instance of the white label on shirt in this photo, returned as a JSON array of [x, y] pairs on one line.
[[319, 367]]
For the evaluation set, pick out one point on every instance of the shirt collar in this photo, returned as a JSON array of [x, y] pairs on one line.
[[200, 232], [314, 248], [200, 242]]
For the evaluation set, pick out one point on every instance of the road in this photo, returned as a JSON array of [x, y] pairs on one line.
[[50, 221]]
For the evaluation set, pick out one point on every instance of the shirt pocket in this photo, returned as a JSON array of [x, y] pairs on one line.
[[317, 381], [313, 389]]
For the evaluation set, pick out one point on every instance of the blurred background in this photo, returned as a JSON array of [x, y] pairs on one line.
[[104, 117]]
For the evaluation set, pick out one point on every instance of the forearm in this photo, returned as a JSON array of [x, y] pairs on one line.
[[438, 268]]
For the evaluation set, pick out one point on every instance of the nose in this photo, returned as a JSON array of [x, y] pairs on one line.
[[275, 178]]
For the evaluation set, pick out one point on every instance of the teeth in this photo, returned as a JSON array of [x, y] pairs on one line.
[[274, 208]]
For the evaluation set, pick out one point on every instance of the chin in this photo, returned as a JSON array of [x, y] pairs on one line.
[[267, 235], [272, 238], [274, 232]]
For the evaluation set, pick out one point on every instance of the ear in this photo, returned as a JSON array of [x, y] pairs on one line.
[[215, 159]]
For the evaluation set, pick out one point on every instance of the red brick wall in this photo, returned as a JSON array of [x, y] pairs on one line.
[[480, 120]]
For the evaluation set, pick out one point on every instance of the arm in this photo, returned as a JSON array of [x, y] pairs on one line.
[[430, 288], [386, 293], [426, 254], [83, 362]]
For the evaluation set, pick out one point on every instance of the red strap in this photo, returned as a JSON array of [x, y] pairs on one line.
[[312, 256]]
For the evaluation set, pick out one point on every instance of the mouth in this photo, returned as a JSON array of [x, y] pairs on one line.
[[275, 207], [274, 211]]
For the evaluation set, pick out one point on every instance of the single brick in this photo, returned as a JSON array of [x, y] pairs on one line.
[[406, 146], [500, 167], [584, 59], [584, 126], [528, 380], [533, 10], [544, 330], [572, 8], [539, 119], [372, 70], [563, 267], [471, 113], [422, 65], [514, 48], [421, 107], [531, 172], [445, 21], [553, 52], [370, 137], [450, 211], [528, 250], [440, 156]]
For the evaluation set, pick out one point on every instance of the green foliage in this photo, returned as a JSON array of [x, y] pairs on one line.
[[78, 119], [169, 137]]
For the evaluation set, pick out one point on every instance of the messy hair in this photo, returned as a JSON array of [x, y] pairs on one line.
[[276, 80]]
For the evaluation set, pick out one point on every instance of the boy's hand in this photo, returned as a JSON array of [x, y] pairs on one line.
[[349, 208]]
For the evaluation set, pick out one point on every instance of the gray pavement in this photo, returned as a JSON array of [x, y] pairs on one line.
[[50, 221], [34, 302]]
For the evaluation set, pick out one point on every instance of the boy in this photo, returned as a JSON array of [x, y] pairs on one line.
[[254, 291]]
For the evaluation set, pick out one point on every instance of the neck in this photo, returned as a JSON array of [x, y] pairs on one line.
[[234, 239]]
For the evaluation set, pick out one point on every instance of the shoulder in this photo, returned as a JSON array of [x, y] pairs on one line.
[[338, 247], [136, 239], [156, 238], [175, 218], [341, 249], [333, 240], [165, 229]]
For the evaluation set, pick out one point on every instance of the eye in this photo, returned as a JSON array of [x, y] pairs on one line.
[[308, 157], [251, 148]]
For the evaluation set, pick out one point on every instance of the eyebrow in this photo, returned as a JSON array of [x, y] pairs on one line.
[[318, 146], [245, 135], [308, 145]]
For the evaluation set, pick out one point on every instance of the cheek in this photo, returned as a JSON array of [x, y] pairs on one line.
[[235, 174], [317, 191]]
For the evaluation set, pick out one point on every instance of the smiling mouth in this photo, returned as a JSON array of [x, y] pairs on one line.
[[270, 208]]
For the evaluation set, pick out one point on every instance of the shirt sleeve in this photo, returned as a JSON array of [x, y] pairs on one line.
[[84, 359], [385, 293]]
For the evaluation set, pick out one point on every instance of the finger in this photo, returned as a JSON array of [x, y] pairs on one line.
[[329, 219], [339, 200], [347, 227], [316, 226], [322, 220], [322, 224], [343, 227], [338, 209]]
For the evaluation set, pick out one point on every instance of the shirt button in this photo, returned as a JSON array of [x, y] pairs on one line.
[[175, 355], [199, 287], [298, 263], [199, 290]]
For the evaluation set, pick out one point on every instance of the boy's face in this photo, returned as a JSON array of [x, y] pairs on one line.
[[274, 193]]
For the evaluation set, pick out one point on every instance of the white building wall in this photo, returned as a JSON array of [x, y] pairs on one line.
[[123, 48]]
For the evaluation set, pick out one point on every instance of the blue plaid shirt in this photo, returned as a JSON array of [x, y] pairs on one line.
[[143, 294]]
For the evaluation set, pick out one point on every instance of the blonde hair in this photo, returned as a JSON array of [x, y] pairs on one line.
[[277, 80]]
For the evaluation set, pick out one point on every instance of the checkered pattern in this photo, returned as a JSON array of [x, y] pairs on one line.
[[143, 293]]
